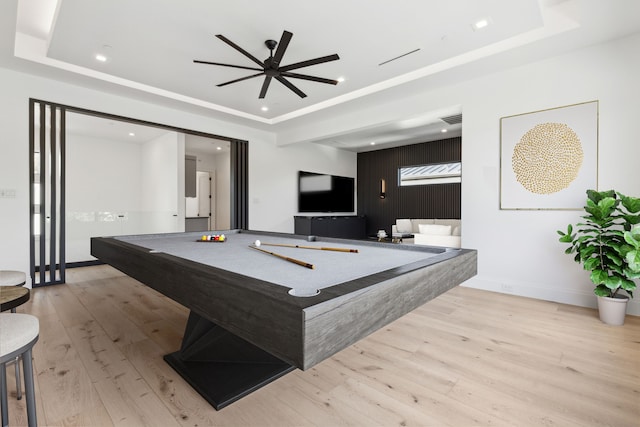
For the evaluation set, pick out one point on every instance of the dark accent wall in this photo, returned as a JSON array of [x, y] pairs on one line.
[[420, 201]]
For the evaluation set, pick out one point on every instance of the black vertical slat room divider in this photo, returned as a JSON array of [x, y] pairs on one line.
[[46, 194]]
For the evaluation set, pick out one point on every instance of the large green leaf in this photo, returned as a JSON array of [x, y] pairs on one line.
[[631, 204], [607, 206], [591, 264], [613, 282], [566, 238], [630, 220], [602, 291], [596, 196], [587, 251], [633, 260], [628, 285], [616, 269], [598, 276], [586, 238], [633, 237], [613, 258], [629, 274]]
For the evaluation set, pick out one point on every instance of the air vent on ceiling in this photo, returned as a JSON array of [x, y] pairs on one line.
[[452, 120], [398, 57]]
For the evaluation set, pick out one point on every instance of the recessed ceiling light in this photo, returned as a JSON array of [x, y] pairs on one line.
[[443, 131], [372, 143], [100, 57], [265, 108], [480, 24], [218, 148], [132, 134]]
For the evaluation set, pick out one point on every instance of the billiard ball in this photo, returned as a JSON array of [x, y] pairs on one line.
[[257, 243]]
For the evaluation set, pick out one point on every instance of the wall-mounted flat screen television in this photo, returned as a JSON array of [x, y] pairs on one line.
[[325, 193]]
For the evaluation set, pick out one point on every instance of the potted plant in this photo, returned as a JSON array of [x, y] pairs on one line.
[[607, 243]]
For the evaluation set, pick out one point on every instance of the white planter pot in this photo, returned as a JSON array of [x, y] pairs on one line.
[[613, 310]]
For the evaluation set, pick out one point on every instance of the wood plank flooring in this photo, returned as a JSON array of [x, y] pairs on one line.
[[467, 358]]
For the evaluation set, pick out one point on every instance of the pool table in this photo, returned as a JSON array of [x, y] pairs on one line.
[[257, 314]]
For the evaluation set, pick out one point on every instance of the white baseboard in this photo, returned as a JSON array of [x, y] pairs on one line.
[[564, 296]]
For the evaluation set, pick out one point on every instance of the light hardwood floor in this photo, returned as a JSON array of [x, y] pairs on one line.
[[467, 358]]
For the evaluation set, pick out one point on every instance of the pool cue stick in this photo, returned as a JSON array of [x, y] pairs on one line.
[[286, 258], [319, 248]]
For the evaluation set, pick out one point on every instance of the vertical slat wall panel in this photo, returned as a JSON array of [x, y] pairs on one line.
[[239, 184], [32, 202], [421, 201], [63, 198], [52, 182], [41, 202]]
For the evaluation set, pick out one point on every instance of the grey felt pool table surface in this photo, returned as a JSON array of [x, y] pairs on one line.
[[330, 267]]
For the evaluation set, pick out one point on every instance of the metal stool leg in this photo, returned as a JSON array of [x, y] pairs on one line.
[[18, 380], [4, 405], [27, 364]]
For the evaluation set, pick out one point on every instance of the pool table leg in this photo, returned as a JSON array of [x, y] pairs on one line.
[[221, 366]]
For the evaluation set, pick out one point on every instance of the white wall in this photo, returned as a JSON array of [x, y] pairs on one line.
[[273, 180], [115, 187], [222, 166], [518, 250], [97, 192], [163, 183]]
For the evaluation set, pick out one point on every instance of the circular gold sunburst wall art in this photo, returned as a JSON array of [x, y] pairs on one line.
[[547, 158]]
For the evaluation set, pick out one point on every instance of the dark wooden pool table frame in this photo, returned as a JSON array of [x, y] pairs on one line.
[[243, 332]]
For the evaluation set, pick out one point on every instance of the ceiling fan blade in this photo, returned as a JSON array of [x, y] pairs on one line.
[[226, 65], [311, 78], [285, 82], [265, 86], [239, 49], [240, 79], [282, 46], [309, 62]]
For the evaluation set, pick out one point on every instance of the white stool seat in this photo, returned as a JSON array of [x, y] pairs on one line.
[[18, 333], [12, 278]]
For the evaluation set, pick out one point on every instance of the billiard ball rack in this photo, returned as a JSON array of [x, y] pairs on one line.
[[212, 238]]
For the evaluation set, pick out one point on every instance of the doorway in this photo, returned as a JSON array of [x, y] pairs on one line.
[[200, 209]]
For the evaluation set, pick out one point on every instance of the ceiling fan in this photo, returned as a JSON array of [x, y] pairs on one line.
[[271, 66]]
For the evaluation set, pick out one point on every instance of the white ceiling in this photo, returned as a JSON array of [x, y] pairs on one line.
[[110, 129], [151, 45]]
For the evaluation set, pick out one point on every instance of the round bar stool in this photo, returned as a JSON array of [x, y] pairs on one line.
[[18, 333], [14, 278]]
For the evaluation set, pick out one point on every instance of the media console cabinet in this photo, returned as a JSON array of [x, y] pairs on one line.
[[345, 227]]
